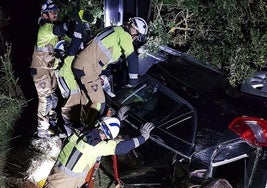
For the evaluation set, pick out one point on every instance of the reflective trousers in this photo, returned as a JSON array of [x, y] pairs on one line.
[[43, 72]]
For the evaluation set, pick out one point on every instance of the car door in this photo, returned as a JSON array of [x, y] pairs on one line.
[[174, 118]]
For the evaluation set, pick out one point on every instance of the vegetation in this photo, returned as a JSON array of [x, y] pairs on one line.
[[11, 100], [4, 20], [11, 105], [230, 35]]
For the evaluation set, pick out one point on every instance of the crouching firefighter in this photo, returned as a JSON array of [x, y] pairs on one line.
[[105, 49], [83, 151]]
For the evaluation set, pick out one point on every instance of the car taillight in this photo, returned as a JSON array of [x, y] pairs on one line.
[[252, 129]]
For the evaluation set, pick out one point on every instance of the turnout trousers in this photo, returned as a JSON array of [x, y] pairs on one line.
[[87, 68], [44, 78], [73, 109]]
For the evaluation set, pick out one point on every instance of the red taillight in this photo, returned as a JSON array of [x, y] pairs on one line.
[[252, 129]]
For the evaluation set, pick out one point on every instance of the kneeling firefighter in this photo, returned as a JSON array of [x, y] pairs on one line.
[[83, 151]]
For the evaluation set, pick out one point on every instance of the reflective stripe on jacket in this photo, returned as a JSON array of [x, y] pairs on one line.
[[66, 80], [114, 42], [79, 156]]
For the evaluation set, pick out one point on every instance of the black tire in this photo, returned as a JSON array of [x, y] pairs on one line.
[[256, 85]]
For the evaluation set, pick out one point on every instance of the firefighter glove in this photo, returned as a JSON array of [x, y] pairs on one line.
[[122, 112], [146, 129]]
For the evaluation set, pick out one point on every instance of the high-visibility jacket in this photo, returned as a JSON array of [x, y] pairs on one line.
[[46, 36], [115, 42], [79, 157], [66, 80]]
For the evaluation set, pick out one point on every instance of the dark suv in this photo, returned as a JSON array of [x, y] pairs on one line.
[[205, 129]]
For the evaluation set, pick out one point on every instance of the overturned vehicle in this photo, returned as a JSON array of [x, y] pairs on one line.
[[205, 131]]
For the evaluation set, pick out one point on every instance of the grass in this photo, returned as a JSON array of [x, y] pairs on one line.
[[11, 104]]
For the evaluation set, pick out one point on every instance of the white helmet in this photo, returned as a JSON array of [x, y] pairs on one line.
[[139, 24], [48, 6], [60, 45], [110, 126]]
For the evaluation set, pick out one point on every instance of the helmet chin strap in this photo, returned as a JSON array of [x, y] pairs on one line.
[[100, 131], [102, 136]]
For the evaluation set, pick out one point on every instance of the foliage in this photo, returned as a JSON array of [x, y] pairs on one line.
[[157, 29], [11, 105], [10, 109], [11, 98], [9, 84], [230, 35], [70, 9]]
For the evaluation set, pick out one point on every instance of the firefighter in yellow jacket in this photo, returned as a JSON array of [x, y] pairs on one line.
[[73, 110], [81, 152], [43, 67], [106, 48]]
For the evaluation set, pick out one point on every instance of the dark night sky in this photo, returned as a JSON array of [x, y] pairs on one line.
[[22, 32]]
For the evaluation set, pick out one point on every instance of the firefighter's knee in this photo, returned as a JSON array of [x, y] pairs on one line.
[[54, 100], [47, 104]]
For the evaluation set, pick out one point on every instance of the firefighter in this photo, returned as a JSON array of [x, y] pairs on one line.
[[43, 68], [83, 151], [107, 48], [74, 104], [44, 65]]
